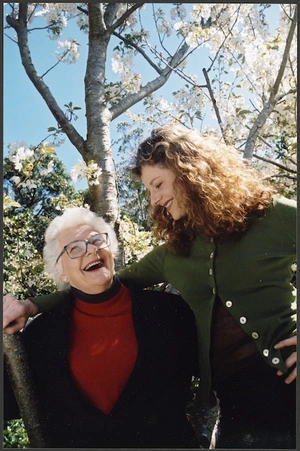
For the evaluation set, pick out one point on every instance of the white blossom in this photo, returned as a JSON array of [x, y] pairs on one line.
[[90, 171], [93, 173], [68, 51], [18, 155], [179, 11], [16, 179], [30, 184], [130, 81], [131, 20], [77, 172], [48, 169]]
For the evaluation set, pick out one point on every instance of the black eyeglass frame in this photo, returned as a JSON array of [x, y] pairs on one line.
[[86, 242]]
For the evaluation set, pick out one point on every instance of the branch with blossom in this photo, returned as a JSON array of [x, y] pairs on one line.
[[89, 171]]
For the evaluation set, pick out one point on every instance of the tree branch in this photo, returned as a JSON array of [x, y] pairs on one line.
[[20, 25], [286, 176], [158, 33], [96, 16], [110, 13], [154, 85], [269, 105], [178, 71], [84, 11], [123, 18], [139, 50], [274, 163], [211, 93], [224, 40]]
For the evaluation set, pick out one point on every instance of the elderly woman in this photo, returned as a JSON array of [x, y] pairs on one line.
[[112, 365]]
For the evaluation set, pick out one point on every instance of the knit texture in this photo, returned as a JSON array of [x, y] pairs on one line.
[[103, 348]]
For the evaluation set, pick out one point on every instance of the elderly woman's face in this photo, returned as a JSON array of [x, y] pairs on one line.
[[93, 272]]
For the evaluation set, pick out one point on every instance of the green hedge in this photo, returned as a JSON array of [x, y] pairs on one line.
[[14, 435]]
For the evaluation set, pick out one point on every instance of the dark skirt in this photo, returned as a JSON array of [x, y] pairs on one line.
[[257, 410]]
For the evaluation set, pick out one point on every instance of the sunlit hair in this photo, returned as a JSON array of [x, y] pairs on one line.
[[72, 217], [217, 189]]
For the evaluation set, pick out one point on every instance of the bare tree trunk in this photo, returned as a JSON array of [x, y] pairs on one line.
[[98, 144], [21, 380]]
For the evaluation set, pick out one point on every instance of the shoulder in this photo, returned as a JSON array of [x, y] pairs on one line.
[[168, 306], [284, 204], [284, 211], [46, 323]]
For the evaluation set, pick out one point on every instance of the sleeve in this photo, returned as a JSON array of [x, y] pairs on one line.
[[146, 272], [49, 301]]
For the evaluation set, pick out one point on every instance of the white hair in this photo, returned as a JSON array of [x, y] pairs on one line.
[[71, 217]]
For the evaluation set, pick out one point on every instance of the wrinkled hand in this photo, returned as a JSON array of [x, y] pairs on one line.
[[16, 313], [291, 360]]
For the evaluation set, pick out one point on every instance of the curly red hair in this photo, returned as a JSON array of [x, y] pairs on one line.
[[219, 190]]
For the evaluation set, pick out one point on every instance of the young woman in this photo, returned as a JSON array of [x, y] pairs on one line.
[[230, 241]]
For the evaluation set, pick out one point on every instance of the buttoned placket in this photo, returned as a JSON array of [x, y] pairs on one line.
[[211, 266], [254, 334]]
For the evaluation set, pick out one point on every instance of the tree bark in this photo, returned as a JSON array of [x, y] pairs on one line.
[[22, 383], [98, 144]]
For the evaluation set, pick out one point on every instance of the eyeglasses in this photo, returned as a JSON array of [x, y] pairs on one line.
[[78, 248]]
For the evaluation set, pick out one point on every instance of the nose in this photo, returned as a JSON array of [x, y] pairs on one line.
[[91, 248], [154, 199]]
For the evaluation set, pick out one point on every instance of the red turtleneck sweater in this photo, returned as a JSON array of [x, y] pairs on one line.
[[103, 348]]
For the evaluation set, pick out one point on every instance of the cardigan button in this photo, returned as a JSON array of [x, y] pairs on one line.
[[210, 272], [275, 360], [211, 255], [243, 320], [266, 352], [228, 304], [255, 335]]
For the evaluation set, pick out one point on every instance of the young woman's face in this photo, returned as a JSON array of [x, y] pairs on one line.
[[91, 273], [159, 182]]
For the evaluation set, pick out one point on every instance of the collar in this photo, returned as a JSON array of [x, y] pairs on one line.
[[100, 297]]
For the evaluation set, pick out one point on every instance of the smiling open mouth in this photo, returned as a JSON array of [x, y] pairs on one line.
[[93, 266], [168, 204]]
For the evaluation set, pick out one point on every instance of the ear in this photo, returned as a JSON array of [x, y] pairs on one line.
[[63, 277]]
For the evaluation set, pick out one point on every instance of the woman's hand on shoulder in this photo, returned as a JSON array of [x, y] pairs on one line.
[[291, 360], [16, 313]]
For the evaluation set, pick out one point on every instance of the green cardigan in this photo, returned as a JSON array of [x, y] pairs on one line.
[[251, 277]]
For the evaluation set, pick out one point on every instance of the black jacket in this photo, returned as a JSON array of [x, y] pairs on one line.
[[150, 412]]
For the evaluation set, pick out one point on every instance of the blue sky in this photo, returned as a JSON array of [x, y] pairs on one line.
[[26, 117]]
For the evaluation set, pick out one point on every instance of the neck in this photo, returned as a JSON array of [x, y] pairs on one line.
[[99, 297]]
